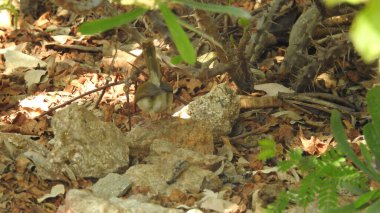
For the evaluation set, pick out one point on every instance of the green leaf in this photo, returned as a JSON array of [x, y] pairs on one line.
[[366, 154], [237, 12], [346, 209], [243, 22], [295, 158], [374, 208], [365, 31], [331, 3], [366, 198], [184, 46], [372, 140], [176, 60], [280, 204], [373, 100], [102, 25], [268, 149], [343, 145], [372, 130]]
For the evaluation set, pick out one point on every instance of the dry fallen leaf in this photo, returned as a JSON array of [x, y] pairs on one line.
[[34, 77], [314, 145], [272, 89], [55, 191], [212, 202]]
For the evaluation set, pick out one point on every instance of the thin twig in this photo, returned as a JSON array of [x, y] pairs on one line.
[[252, 132], [75, 47], [108, 78], [315, 102], [84, 94], [101, 95], [126, 90]]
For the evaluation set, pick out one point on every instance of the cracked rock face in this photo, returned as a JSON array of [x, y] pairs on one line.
[[162, 172], [87, 145]]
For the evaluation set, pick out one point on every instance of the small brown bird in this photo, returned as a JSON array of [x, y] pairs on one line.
[[155, 95]]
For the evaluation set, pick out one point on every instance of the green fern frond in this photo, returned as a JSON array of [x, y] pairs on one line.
[[323, 179], [328, 196], [280, 204]]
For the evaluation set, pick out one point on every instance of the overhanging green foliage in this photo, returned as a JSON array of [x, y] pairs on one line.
[[182, 42], [102, 25], [184, 46]]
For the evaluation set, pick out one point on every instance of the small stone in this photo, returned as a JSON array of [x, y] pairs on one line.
[[112, 185]]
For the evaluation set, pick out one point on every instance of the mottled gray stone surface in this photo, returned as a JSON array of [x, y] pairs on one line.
[[89, 146], [83, 201], [112, 185]]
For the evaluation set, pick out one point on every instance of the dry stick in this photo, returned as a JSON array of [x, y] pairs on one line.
[[154, 23], [206, 24], [330, 97], [136, 36], [314, 101], [101, 95], [84, 94], [310, 105], [133, 76], [107, 80], [75, 47], [299, 39], [239, 73], [298, 107], [254, 131], [126, 90], [258, 41]]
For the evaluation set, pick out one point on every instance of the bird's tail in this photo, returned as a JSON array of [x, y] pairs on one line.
[[149, 52]]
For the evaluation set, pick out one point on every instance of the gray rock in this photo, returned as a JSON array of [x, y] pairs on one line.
[[112, 185], [164, 153], [83, 201], [88, 146], [169, 167], [193, 179], [189, 134], [13, 145], [219, 108], [134, 206]]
